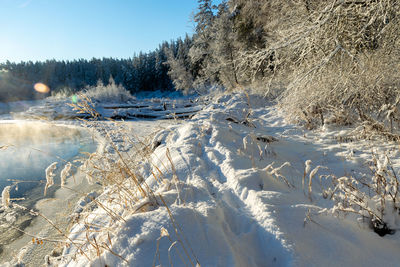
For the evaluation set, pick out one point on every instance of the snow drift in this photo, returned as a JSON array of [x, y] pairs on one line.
[[238, 186]]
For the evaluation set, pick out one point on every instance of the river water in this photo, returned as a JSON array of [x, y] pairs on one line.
[[26, 149], [29, 147]]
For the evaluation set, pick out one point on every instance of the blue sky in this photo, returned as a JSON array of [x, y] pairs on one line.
[[72, 29]]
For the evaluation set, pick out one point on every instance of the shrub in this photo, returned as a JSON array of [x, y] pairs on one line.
[[376, 202], [345, 58], [111, 92]]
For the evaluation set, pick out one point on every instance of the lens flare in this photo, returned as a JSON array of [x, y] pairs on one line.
[[74, 99], [41, 88]]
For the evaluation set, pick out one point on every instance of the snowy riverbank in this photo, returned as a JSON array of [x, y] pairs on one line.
[[231, 178], [61, 205]]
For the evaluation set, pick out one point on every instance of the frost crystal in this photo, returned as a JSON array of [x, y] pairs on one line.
[[308, 166], [50, 176], [314, 171], [246, 142], [164, 232], [5, 197], [65, 173]]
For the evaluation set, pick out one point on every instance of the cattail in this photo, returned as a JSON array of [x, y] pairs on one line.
[[5, 197], [50, 176], [65, 173]]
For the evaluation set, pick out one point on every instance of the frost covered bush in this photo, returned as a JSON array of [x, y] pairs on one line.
[[62, 93], [111, 92], [348, 95], [326, 61], [376, 202], [346, 56], [101, 92]]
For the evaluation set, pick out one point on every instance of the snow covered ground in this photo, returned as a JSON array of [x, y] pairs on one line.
[[142, 107], [230, 187]]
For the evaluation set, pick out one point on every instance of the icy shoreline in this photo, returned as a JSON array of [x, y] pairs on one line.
[[73, 198], [21, 244]]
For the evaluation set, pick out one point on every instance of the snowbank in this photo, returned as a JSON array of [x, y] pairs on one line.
[[233, 181]]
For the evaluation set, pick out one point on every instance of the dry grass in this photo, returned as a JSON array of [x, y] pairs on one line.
[[128, 193], [125, 191], [276, 172], [374, 199]]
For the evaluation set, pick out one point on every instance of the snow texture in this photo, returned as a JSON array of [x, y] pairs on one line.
[[239, 196]]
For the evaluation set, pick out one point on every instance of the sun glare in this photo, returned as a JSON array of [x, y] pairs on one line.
[[41, 88]]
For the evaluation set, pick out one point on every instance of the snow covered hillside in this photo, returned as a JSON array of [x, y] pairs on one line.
[[238, 186]]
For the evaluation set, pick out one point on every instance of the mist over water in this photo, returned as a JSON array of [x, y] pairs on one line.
[[32, 146], [17, 106]]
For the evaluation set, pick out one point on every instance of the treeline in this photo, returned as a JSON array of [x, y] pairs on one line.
[[324, 61], [142, 72]]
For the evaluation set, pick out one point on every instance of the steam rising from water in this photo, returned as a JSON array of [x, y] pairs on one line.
[[33, 146], [21, 133]]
